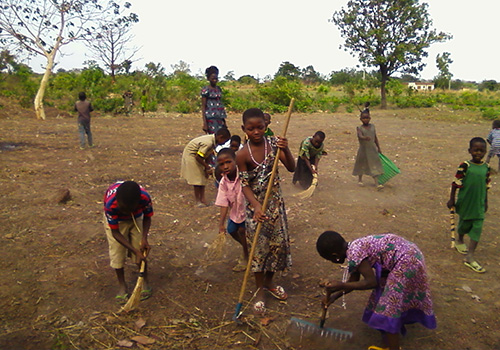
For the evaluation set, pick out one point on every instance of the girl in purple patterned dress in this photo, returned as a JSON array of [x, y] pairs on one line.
[[212, 108], [394, 268]]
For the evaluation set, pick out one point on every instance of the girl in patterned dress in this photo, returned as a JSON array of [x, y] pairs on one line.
[[212, 108], [255, 162], [394, 268]]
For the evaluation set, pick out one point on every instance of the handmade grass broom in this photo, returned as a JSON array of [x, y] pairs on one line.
[[309, 192], [135, 298], [237, 311], [214, 251]]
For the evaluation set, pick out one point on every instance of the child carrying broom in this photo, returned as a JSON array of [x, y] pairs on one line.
[[255, 163], [310, 152], [128, 211], [230, 198]]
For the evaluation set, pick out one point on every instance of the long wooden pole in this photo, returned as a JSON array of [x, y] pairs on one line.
[[264, 208]]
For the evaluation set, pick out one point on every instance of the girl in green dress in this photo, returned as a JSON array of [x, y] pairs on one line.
[[473, 180]]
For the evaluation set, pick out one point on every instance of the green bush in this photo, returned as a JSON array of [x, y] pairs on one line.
[[490, 113], [109, 105]]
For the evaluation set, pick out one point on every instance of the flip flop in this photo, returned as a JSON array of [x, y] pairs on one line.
[[373, 347], [146, 293], [461, 248], [278, 292], [121, 298], [259, 307], [474, 266]]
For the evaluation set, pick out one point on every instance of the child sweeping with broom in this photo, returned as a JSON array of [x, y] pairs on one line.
[[255, 163], [394, 268], [128, 211], [230, 198], [310, 152]]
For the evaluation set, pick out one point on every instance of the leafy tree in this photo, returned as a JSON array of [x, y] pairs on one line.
[[310, 76], [443, 80], [229, 76], [43, 27], [7, 62], [391, 35], [181, 67], [490, 85], [110, 43], [288, 70], [248, 80]]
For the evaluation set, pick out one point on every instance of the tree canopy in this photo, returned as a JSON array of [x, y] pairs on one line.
[[392, 35]]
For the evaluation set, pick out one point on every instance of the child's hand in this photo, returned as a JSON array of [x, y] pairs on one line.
[[331, 286], [145, 248], [222, 229], [259, 215], [139, 257], [282, 142], [208, 171]]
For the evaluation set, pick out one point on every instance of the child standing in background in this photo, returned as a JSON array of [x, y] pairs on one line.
[[195, 168], [255, 162], [267, 118], [84, 107], [144, 102], [367, 159], [230, 198], [473, 180], [494, 141], [310, 152], [212, 108]]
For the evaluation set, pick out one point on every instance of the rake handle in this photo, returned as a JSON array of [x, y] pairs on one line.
[[452, 227], [264, 208], [325, 309]]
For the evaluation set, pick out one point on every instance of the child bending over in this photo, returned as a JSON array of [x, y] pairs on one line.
[[195, 167], [394, 268], [128, 211], [230, 198], [310, 152], [255, 162], [367, 159], [473, 181]]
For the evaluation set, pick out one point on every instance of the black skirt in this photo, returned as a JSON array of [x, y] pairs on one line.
[[302, 173]]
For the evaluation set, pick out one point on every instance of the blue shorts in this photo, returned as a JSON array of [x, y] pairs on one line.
[[232, 227]]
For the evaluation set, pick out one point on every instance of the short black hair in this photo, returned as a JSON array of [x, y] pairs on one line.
[[223, 132], [211, 70], [496, 124], [128, 195], [227, 151], [328, 243], [320, 134], [82, 96], [475, 140], [236, 138], [252, 113]]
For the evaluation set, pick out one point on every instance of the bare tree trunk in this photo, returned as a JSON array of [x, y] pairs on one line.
[[383, 93], [39, 110]]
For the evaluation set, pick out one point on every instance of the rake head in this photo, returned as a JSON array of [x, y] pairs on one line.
[[313, 329]]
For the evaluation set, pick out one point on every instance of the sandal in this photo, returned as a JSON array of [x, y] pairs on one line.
[[278, 292], [373, 347], [474, 266], [259, 307], [461, 248], [146, 293], [121, 298]]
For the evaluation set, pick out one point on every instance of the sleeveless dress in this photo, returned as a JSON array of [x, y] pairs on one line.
[[367, 159], [272, 252], [402, 295], [215, 113]]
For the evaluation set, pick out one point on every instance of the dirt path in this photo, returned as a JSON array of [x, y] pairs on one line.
[[57, 290]]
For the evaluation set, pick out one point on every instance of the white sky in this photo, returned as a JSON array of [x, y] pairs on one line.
[[255, 37]]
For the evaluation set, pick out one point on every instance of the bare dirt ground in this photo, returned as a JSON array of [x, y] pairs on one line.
[[57, 289]]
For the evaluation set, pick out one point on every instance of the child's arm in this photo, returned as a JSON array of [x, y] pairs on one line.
[[203, 162], [451, 202], [203, 109], [222, 220], [125, 242], [146, 225], [369, 280], [360, 135], [377, 144], [286, 156]]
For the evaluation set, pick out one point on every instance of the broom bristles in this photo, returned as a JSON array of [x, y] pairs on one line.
[[215, 249], [309, 192], [135, 298]]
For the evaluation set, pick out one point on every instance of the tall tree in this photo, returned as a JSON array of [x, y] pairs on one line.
[[43, 27], [443, 64], [288, 70], [111, 43], [392, 35]]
